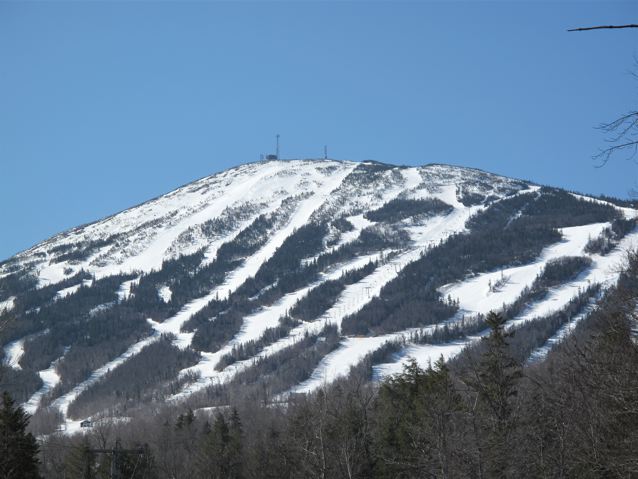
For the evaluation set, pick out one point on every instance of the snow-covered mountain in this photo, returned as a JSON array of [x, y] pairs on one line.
[[284, 275]]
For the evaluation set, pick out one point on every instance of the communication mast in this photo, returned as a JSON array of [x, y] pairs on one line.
[[325, 152], [276, 155], [277, 150]]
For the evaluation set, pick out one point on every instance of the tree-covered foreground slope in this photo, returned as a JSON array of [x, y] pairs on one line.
[[277, 279], [484, 414]]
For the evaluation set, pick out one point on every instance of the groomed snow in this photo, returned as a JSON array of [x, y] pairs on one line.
[[50, 379], [256, 324], [351, 300], [563, 332], [63, 402], [423, 354], [605, 270], [173, 325], [474, 294], [63, 293], [152, 232], [350, 352]]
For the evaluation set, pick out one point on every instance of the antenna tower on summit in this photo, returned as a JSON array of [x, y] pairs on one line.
[[277, 150]]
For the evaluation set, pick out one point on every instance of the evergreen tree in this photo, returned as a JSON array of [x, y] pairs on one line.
[[234, 449], [80, 461], [221, 455], [495, 382], [137, 466], [417, 414], [18, 449]]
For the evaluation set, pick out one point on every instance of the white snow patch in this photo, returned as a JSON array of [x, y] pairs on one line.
[[124, 292], [165, 294], [359, 223], [101, 307], [63, 293], [424, 354], [13, 352], [541, 353], [7, 305], [338, 363]]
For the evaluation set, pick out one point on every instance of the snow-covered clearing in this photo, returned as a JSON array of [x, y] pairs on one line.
[[256, 324], [165, 294], [13, 352], [50, 379], [144, 236], [423, 354], [63, 293], [7, 305], [146, 254], [124, 292], [304, 210], [358, 222], [338, 363], [563, 332]]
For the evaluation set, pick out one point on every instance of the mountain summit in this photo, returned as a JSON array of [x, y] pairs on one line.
[[284, 275]]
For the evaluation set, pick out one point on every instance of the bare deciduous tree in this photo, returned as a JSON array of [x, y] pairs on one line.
[[623, 138]]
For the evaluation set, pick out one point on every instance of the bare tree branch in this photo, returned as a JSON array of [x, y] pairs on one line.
[[624, 129], [601, 27]]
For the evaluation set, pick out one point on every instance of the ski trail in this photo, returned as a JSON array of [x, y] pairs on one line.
[[351, 300], [475, 295], [14, 351], [233, 281], [256, 324], [605, 270], [50, 379], [563, 332]]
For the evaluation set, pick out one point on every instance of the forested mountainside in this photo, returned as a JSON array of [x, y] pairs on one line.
[[274, 279]]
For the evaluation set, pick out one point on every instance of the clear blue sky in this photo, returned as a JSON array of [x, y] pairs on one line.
[[106, 104]]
